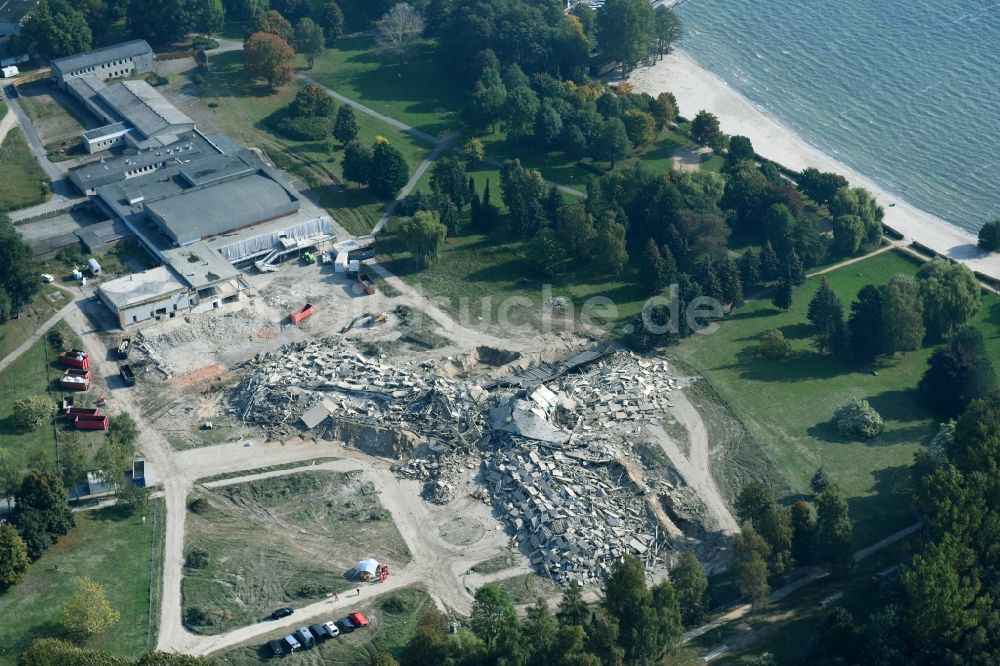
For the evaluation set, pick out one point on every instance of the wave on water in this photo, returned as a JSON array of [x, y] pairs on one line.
[[900, 92]]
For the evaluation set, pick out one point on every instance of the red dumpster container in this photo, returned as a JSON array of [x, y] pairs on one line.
[[76, 380], [305, 311], [86, 422], [75, 358]]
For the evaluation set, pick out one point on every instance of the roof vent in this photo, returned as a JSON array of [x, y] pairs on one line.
[[135, 198]]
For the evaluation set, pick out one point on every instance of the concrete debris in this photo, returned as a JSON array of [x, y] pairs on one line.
[[224, 329]]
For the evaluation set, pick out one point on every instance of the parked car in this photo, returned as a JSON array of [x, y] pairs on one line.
[[345, 625], [277, 649], [46, 277], [319, 631], [305, 637], [282, 612], [292, 643], [358, 620], [331, 629]]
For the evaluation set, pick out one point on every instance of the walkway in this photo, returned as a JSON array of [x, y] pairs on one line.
[[896, 244], [34, 337]]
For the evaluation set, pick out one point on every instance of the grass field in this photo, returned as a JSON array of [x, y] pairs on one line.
[[285, 541], [49, 111], [414, 93], [241, 108], [31, 374], [388, 632], [526, 588], [788, 404], [14, 332], [109, 546], [23, 183]]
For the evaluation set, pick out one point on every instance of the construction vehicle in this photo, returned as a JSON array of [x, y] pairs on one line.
[[309, 257]]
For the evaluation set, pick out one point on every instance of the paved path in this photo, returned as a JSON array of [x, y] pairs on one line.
[[405, 192], [742, 611], [847, 262], [34, 337]]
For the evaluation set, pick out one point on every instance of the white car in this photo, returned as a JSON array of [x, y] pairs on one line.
[[48, 278], [331, 629]]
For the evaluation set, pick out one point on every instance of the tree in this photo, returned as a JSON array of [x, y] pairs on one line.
[[449, 179], [625, 31], [133, 498], [272, 23], [398, 29], [770, 265], [357, 164], [902, 315], [449, 216], [654, 269], [958, 374], [951, 296], [576, 231], [269, 57], [246, 10], [538, 632], [989, 236], [423, 235], [706, 131], [611, 238], [19, 278], [750, 552], [691, 583], [859, 202], [749, 263], [773, 345], [41, 511], [311, 102], [520, 111], [640, 127], [793, 266], [782, 298], [572, 608], [87, 611], [474, 151], [833, 531], [162, 22], [740, 148], [492, 611], [627, 599], [819, 186], [820, 481], [309, 40], [73, 460], [13, 556], [548, 125], [856, 418], [848, 234], [210, 16], [667, 29], [803, 533], [488, 99], [57, 29], [32, 411], [613, 143], [545, 253], [389, 171], [826, 314], [865, 324], [331, 19], [10, 476]]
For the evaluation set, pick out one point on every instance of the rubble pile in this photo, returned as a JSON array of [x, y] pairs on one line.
[[220, 329], [287, 385]]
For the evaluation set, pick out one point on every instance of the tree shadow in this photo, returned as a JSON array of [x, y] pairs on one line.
[[798, 366], [827, 431], [112, 514], [886, 509], [898, 405], [798, 331]]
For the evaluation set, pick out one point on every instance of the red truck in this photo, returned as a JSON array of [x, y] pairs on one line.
[[76, 380], [302, 313], [75, 358], [91, 422]]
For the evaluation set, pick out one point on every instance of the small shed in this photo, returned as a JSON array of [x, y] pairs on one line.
[[366, 569], [10, 72]]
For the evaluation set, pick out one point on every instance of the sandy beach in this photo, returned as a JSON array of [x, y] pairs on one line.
[[696, 88]]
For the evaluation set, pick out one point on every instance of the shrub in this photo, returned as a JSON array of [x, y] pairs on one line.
[[58, 340], [395, 604], [858, 419], [773, 345], [989, 236], [196, 559], [72, 254], [32, 411], [155, 79], [213, 105], [314, 590], [204, 44], [198, 505], [303, 129], [196, 617]]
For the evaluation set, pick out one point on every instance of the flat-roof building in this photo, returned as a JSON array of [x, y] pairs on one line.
[[110, 62], [148, 295]]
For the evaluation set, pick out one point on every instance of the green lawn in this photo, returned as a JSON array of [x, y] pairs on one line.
[[414, 93], [788, 404], [14, 332], [118, 551], [23, 183], [242, 108], [32, 373], [389, 631]]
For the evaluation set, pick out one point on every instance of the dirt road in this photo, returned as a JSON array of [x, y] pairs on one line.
[[695, 468]]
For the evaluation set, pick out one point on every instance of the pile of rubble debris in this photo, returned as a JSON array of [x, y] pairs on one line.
[[222, 329], [310, 381]]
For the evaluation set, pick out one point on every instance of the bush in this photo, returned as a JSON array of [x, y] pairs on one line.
[[72, 254], [32, 411], [314, 590], [196, 617], [155, 79], [858, 419], [198, 505], [989, 236], [196, 559], [303, 129], [204, 44], [395, 604], [58, 340], [773, 345]]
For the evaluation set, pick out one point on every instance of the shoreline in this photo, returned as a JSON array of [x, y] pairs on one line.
[[696, 88]]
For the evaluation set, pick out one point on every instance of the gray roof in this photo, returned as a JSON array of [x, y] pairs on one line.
[[140, 288], [86, 86], [192, 146], [140, 104], [199, 265], [97, 57], [222, 207]]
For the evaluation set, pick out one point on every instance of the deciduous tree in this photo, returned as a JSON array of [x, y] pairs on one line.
[[309, 40], [902, 315], [958, 374], [705, 130], [331, 19], [13, 556], [613, 143], [449, 179], [492, 611], [57, 29], [833, 531], [667, 29], [989, 236], [951, 296], [691, 583], [272, 23], [269, 57], [664, 110], [819, 186], [865, 324], [625, 31], [87, 611], [611, 239], [398, 29], [423, 235], [357, 162], [41, 511], [32, 411]]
